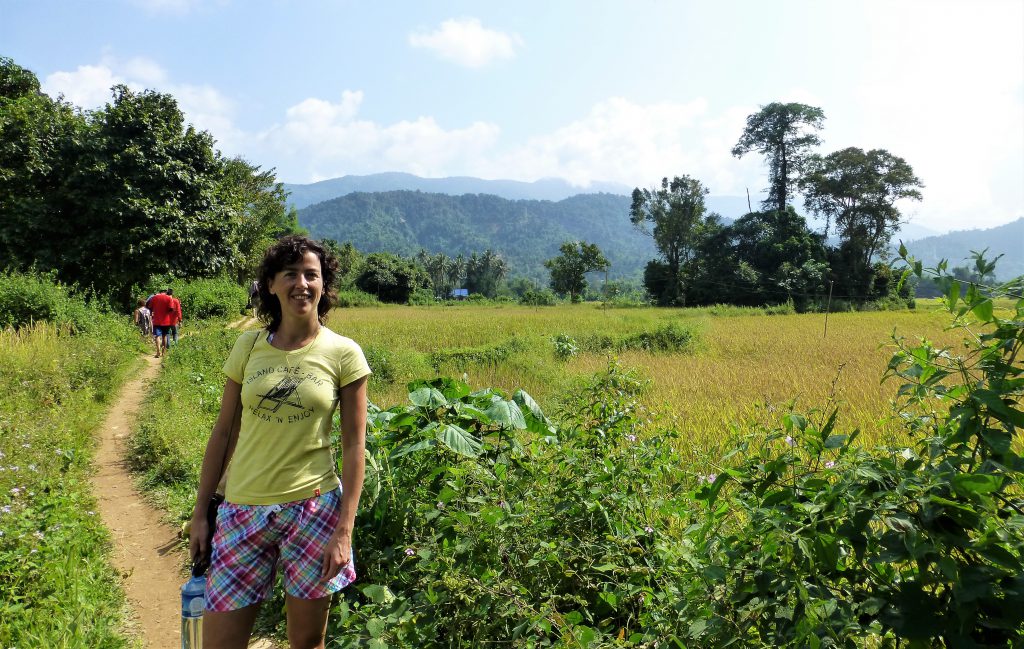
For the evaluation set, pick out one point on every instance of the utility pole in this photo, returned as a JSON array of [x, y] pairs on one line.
[[827, 308], [749, 209]]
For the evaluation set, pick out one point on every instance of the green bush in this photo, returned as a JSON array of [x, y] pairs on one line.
[[669, 338], [210, 298], [542, 297], [355, 297], [39, 297], [482, 521]]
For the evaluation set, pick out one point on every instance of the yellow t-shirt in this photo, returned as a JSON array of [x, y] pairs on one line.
[[288, 402]]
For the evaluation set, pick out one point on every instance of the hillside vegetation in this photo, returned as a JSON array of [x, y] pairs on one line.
[[524, 232]]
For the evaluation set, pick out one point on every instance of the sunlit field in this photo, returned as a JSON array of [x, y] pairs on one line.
[[741, 363]]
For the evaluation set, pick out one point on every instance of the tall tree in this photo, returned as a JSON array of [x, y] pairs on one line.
[[568, 270], [36, 134], [390, 277], [858, 191], [146, 195], [256, 203], [783, 133], [673, 216], [484, 272]]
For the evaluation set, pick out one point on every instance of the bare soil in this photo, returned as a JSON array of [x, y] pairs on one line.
[[146, 549]]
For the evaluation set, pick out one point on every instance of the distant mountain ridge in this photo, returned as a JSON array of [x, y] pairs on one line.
[[956, 247], [547, 189]]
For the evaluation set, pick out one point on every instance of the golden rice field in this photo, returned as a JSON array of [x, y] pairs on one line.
[[744, 362]]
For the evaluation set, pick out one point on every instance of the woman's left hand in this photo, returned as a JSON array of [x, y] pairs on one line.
[[337, 554]]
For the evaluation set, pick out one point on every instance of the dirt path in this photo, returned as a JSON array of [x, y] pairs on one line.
[[145, 548]]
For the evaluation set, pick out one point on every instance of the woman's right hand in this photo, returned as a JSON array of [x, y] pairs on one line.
[[197, 537]]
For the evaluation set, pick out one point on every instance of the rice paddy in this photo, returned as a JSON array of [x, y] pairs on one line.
[[744, 366]]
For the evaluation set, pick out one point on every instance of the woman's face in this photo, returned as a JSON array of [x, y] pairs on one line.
[[298, 286]]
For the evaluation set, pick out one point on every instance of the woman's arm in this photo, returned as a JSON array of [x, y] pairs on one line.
[[218, 453], [353, 444]]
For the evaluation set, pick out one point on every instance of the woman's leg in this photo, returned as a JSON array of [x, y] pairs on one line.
[[229, 629], [307, 622]]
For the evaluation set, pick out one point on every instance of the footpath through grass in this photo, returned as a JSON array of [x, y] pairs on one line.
[[57, 586]]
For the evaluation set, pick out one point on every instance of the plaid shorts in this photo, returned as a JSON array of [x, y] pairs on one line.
[[251, 540]]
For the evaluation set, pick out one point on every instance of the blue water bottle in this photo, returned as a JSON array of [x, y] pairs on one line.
[[193, 601]]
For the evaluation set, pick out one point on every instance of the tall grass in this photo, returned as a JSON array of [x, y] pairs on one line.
[[57, 587], [742, 367]]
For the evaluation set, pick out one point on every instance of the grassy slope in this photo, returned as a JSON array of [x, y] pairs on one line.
[[57, 587]]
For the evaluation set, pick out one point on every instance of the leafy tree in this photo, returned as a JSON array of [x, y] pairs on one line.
[[674, 216], [484, 272], [788, 258], [350, 261], [568, 270], [146, 195], [391, 278], [256, 202], [782, 133], [858, 191], [35, 135]]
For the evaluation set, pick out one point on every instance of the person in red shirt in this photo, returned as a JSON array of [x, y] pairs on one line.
[[175, 316], [162, 306]]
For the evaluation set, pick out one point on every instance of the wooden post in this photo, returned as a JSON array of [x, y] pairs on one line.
[[828, 307]]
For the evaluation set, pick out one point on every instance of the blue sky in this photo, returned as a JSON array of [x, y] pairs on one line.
[[614, 91]]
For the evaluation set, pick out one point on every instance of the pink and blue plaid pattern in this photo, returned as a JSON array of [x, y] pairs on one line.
[[251, 540]]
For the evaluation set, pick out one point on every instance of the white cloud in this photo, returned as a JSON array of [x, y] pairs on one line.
[[88, 87], [466, 42], [329, 139]]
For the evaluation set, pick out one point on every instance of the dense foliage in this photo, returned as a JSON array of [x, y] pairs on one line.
[[784, 134], [110, 197], [523, 232]]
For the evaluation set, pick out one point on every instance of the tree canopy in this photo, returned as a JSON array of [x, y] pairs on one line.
[[858, 191], [569, 269], [783, 133], [673, 215], [111, 197]]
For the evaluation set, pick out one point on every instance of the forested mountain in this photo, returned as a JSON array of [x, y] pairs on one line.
[[549, 189], [956, 248], [524, 232]]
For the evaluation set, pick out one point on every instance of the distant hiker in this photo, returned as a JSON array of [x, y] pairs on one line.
[[143, 319], [285, 510], [162, 306], [175, 316], [254, 296]]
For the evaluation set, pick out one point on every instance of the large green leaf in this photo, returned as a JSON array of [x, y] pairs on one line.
[[983, 311], [508, 414], [428, 398], [975, 483], [459, 440], [412, 448], [536, 421]]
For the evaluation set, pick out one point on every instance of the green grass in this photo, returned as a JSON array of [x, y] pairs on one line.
[[742, 363], [57, 587]]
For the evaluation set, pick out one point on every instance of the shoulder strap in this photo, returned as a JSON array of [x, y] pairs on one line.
[[224, 459]]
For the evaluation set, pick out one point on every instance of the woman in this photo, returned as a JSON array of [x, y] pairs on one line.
[[284, 504]]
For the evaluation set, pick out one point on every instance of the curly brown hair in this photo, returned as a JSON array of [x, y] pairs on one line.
[[288, 250]]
